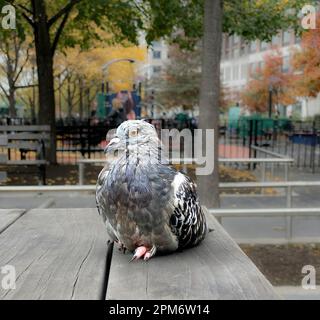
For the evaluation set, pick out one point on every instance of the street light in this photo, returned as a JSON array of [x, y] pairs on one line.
[[273, 80], [270, 99], [107, 65]]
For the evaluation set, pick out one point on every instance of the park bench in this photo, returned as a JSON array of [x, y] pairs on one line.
[[63, 254], [25, 139]]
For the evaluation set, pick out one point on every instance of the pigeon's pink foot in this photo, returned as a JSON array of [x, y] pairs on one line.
[[149, 254], [143, 252], [139, 253]]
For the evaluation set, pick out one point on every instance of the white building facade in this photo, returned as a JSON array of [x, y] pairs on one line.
[[240, 59]]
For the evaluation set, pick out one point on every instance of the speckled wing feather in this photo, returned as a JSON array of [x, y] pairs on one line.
[[187, 220]]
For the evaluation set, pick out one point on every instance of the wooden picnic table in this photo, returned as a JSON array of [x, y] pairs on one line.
[[63, 254]]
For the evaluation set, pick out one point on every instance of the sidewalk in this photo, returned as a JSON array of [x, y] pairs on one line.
[[297, 293]]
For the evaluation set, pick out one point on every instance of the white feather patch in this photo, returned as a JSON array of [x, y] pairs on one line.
[[177, 181]]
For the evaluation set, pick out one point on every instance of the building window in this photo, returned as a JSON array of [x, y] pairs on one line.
[[236, 52], [156, 44], [253, 68], [286, 64], [156, 54], [244, 71], [227, 73], [264, 45], [253, 46], [286, 37], [236, 40], [243, 49], [235, 72], [229, 54], [156, 69], [260, 65], [276, 40], [230, 44]]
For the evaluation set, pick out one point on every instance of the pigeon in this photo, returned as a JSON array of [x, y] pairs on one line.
[[148, 207]]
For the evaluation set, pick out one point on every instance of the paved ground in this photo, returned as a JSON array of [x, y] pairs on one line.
[[298, 293], [265, 228], [243, 229]]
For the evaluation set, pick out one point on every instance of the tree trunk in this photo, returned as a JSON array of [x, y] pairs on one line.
[[45, 74], [11, 90], [33, 100], [33, 112], [81, 98], [12, 103], [69, 98], [209, 96]]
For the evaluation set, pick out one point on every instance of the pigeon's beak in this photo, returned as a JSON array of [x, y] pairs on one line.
[[112, 145]]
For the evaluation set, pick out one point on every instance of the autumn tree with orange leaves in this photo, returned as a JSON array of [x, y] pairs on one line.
[[269, 77], [306, 64]]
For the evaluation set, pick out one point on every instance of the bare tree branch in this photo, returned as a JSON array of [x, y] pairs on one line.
[[4, 91], [63, 11], [4, 70], [28, 19], [17, 47], [140, 9], [26, 86], [25, 8], [22, 67], [25, 101], [58, 33]]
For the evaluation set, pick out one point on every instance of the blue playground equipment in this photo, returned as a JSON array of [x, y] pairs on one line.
[[104, 103]]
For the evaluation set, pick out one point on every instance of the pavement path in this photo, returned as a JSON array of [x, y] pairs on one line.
[[256, 229], [298, 293]]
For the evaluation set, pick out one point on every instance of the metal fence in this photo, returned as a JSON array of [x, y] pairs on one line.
[[87, 140], [287, 212], [187, 161], [296, 139]]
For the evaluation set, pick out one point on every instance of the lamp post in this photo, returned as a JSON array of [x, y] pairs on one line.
[[270, 100], [109, 63], [273, 84]]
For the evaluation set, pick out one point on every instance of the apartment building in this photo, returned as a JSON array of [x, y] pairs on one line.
[[157, 56], [240, 58]]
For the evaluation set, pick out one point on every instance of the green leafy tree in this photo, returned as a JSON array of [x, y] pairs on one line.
[[66, 23], [179, 83], [208, 19]]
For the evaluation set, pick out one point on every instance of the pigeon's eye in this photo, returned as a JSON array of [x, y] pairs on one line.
[[133, 133]]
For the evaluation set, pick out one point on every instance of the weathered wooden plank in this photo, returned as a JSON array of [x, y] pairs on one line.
[[57, 253], [24, 162], [3, 159], [30, 128], [29, 145], [3, 140], [9, 216], [27, 136], [217, 269], [3, 175]]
